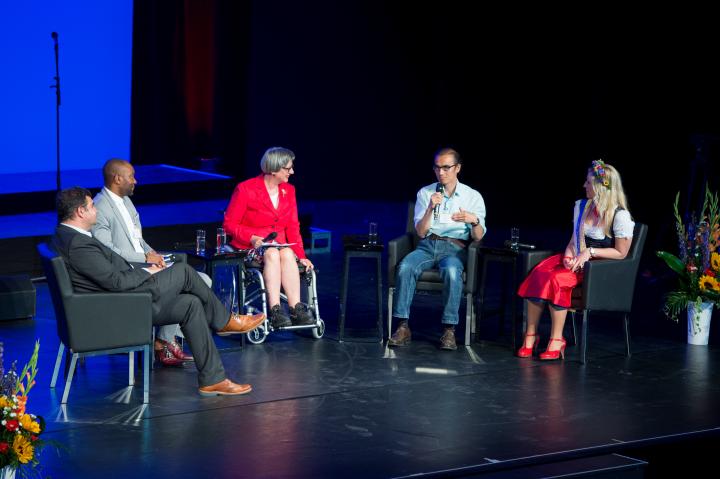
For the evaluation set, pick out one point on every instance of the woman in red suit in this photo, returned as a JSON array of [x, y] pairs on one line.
[[263, 205], [603, 228]]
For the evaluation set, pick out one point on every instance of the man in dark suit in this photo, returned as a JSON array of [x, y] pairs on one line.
[[178, 293]]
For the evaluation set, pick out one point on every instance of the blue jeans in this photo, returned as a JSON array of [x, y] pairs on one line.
[[446, 256]]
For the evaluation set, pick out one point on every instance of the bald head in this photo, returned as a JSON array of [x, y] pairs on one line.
[[119, 177]]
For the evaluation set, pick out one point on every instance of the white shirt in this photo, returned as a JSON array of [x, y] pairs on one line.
[[135, 233], [274, 197], [464, 197], [623, 225]]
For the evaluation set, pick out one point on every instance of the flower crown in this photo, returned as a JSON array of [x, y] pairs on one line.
[[598, 168]]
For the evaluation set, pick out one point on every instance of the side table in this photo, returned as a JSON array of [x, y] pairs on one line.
[[520, 261], [213, 261], [358, 247]]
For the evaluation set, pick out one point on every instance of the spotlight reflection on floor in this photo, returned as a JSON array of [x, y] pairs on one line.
[[438, 371]]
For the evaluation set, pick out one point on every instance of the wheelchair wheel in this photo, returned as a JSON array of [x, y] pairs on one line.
[[320, 330], [257, 335]]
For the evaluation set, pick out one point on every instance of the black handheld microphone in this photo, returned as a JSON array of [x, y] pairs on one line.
[[436, 211], [508, 244], [54, 36], [270, 237]]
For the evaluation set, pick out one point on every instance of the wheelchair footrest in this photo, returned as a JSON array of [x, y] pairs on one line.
[[292, 328]]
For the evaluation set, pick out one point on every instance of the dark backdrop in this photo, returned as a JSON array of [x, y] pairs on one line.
[[364, 92]]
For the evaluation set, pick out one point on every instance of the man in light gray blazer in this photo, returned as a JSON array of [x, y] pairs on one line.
[[118, 227]]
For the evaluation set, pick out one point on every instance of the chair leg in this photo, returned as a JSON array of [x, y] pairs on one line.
[[131, 368], [68, 381], [152, 361], [146, 374], [468, 318], [391, 292], [61, 350], [263, 294], [583, 350], [626, 318], [312, 294], [574, 328]]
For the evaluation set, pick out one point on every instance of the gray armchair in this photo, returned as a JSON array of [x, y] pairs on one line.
[[94, 324], [430, 280]]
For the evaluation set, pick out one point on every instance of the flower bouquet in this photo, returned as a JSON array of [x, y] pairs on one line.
[[698, 263], [19, 430]]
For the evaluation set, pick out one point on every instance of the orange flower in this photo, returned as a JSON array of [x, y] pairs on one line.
[[28, 424], [22, 400]]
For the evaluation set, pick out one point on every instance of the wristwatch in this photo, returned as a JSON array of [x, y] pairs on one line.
[[477, 222], [592, 252]]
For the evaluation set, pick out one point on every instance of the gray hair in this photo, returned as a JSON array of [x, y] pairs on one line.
[[275, 158]]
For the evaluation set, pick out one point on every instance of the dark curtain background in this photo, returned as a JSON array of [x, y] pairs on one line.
[[364, 92]]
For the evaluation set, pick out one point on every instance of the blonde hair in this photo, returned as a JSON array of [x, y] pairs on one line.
[[608, 199]]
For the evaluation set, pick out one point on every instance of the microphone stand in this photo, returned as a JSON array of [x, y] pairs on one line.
[[56, 86]]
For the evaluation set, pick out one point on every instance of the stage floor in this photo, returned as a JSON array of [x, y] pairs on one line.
[[321, 408]]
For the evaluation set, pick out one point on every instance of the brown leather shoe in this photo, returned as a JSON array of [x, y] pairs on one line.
[[447, 341], [402, 335], [166, 358], [241, 323], [178, 352], [225, 388]]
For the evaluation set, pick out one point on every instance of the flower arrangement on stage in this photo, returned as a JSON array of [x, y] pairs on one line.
[[698, 262], [19, 430]]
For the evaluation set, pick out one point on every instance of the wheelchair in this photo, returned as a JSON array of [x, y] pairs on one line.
[[253, 299]]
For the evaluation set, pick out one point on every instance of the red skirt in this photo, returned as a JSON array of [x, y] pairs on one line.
[[551, 281]]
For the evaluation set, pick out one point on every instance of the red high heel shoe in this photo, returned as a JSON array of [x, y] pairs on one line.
[[524, 352], [559, 353]]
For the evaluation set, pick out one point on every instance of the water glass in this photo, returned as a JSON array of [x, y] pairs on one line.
[[221, 239], [200, 241], [372, 233], [514, 238]]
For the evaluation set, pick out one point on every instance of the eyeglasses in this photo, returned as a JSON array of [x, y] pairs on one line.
[[287, 168], [444, 167]]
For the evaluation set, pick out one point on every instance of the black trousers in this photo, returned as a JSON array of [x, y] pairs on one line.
[[180, 296]]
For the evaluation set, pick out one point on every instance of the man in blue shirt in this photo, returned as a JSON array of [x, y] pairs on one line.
[[446, 221]]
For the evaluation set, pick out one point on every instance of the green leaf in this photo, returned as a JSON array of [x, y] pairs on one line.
[[672, 261]]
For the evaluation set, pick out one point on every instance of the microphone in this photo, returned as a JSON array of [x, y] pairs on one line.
[[54, 36], [270, 237], [436, 211], [508, 244]]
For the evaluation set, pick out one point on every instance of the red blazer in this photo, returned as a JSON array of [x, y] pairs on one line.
[[251, 212]]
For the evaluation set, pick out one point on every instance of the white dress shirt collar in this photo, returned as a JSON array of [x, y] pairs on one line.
[[79, 230]]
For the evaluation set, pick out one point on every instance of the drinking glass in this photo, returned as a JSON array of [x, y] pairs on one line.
[[372, 233], [200, 241], [220, 240], [514, 238]]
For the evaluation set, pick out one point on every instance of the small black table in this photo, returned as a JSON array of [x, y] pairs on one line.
[[357, 246], [212, 261], [528, 260]]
